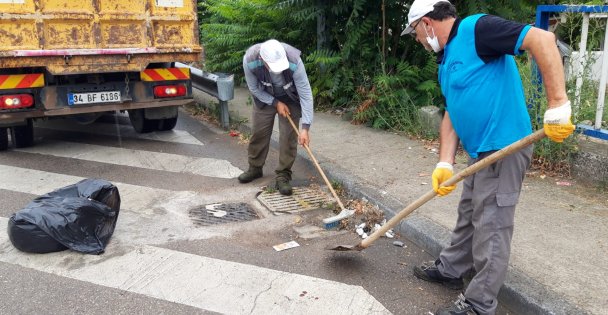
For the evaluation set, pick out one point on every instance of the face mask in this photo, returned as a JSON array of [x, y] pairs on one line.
[[433, 42]]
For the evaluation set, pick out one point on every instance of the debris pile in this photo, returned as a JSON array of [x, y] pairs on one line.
[[367, 219]]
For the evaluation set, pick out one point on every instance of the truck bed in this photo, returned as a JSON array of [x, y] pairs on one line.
[[96, 36]]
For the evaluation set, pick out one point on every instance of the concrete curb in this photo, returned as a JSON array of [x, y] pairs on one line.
[[520, 293]]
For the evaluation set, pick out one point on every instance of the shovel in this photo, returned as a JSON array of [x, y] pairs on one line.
[[472, 169], [331, 221]]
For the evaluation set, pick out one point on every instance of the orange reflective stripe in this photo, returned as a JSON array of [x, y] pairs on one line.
[[39, 82], [30, 80], [154, 75], [3, 78], [165, 74], [179, 74], [21, 81], [12, 81], [144, 76]]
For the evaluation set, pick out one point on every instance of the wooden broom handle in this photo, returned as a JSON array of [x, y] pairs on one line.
[[333, 192], [470, 170]]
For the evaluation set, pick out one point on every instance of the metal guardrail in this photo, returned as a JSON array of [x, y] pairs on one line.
[[218, 85]]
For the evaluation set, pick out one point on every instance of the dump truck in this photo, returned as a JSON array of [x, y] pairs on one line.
[[84, 58]]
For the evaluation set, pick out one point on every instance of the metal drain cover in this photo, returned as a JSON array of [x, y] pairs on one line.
[[219, 213], [302, 199]]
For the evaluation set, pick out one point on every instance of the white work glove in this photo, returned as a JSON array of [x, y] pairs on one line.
[[557, 123], [443, 171]]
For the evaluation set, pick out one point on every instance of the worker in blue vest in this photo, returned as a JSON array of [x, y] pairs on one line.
[[485, 111], [278, 83]]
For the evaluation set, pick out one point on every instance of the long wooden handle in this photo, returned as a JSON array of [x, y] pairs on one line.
[[331, 188], [472, 169]]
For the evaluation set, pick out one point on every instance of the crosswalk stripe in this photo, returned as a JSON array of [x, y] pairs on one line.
[[202, 282], [176, 136], [155, 216], [148, 215], [137, 158], [136, 198]]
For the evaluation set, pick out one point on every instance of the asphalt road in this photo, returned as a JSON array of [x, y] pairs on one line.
[[159, 259]]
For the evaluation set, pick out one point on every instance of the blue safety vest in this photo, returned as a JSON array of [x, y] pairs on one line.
[[485, 101]]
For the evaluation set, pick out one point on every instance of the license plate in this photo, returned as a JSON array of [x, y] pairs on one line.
[[94, 97]]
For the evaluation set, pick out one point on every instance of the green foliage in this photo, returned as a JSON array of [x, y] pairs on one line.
[[370, 69], [358, 61], [394, 99]]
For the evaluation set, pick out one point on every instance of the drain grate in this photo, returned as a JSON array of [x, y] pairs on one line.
[[220, 213], [302, 199]]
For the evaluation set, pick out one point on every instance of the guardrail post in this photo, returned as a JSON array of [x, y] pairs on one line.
[[224, 115], [218, 85], [225, 89]]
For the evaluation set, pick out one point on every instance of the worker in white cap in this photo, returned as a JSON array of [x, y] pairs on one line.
[[277, 80], [485, 111]]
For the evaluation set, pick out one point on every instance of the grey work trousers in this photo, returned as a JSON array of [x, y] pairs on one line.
[[481, 240], [259, 144]]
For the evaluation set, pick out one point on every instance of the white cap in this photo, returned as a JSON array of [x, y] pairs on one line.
[[419, 9], [273, 53]]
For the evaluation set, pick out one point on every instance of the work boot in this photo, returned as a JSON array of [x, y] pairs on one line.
[[251, 174], [460, 307], [283, 184], [429, 272]]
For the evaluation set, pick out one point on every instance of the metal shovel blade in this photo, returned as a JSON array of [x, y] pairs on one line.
[[345, 248]]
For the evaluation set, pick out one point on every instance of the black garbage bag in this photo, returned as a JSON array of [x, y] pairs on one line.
[[28, 237], [81, 217]]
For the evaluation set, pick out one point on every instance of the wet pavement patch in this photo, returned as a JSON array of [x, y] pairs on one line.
[[302, 199], [220, 213]]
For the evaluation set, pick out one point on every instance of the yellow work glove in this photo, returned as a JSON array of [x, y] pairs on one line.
[[443, 171], [557, 123]]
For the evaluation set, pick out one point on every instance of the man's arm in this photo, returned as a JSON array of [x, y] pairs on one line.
[[557, 119], [448, 140], [300, 80], [541, 45], [447, 152], [254, 86]]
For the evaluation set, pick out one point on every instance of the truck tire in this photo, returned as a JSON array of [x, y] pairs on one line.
[[140, 123], [23, 136], [3, 139], [167, 124]]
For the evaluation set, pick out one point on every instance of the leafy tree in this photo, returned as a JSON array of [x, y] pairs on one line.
[[229, 27], [355, 57]]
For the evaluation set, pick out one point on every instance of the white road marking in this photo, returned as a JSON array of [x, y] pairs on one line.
[[155, 216], [108, 129], [137, 158], [206, 283]]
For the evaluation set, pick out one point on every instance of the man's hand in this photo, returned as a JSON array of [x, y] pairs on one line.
[[557, 123], [443, 171], [304, 139], [282, 109]]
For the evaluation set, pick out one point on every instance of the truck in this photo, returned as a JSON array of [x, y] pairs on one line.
[[84, 58]]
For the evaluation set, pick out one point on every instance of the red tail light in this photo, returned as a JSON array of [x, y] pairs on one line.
[[16, 101], [170, 90]]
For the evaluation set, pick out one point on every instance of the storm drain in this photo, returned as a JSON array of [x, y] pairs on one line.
[[220, 213], [302, 199]]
